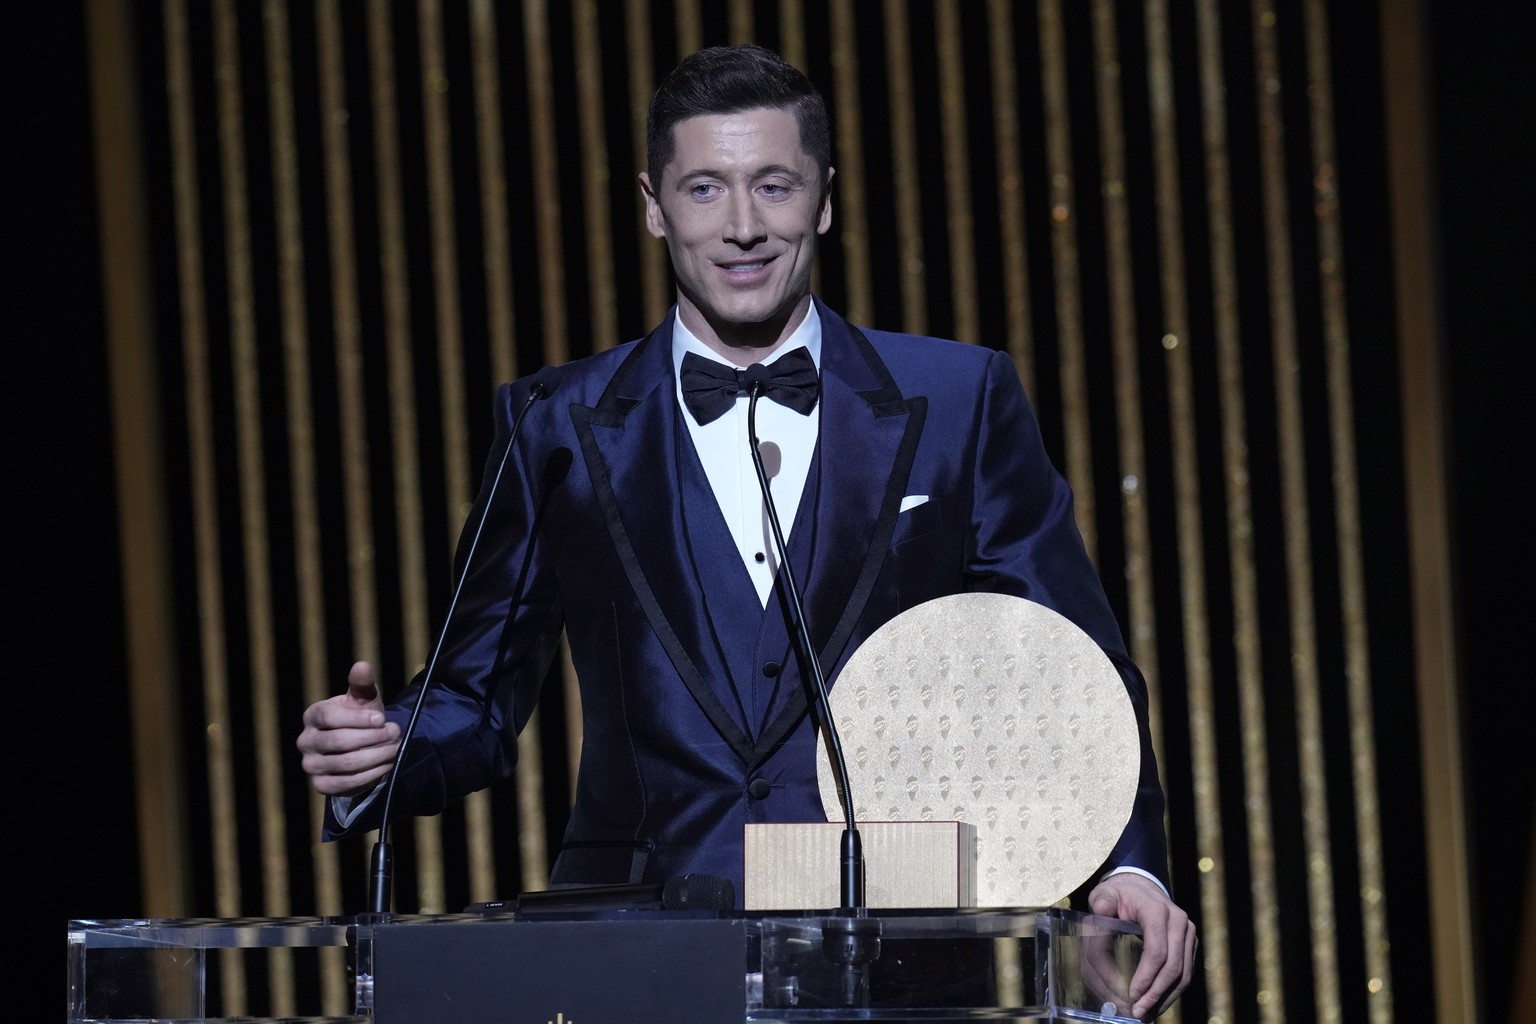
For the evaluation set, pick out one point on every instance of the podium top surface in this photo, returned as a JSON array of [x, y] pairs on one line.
[[929, 965]]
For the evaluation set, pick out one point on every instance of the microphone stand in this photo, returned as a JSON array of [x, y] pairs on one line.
[[852, 939], [382, 863]]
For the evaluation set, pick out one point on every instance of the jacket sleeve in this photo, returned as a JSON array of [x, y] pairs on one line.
[[485, 669], [1025, 542]]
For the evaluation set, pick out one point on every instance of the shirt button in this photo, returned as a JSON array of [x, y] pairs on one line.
[[759, 788], [760, 558], [771, 669]]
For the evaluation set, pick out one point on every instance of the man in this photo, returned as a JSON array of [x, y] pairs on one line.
[[909, 469]]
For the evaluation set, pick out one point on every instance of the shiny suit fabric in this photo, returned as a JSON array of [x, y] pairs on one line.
[[695, 699]]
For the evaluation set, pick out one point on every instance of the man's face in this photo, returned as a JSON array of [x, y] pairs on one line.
[[740, 206]]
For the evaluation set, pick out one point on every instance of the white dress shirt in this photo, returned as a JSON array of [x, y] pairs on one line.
[[786, 441]]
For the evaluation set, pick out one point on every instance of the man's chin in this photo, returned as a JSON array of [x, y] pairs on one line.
[[753, 317], [743, 322]]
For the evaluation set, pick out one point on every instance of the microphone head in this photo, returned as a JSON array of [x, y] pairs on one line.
[[544, 382], [698, 892], [757, 374]]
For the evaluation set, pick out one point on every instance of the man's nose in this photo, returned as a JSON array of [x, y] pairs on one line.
[[744, 222]]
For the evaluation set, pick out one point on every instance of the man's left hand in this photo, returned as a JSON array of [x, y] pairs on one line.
[[1168, 940]]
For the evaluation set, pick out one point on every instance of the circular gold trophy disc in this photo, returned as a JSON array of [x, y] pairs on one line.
[[997, 711]]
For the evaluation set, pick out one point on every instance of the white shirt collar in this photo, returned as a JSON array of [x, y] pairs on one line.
[[808, 333]]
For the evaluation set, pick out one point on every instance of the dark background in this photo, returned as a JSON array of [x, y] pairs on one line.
[[70, 594]]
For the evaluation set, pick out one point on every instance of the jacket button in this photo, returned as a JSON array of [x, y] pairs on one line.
[[771, 669], [759, 788]]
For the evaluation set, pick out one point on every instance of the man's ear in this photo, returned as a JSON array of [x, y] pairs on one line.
[[824, 222], [655, 223]]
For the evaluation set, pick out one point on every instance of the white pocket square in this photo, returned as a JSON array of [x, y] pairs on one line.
[[912, 501]]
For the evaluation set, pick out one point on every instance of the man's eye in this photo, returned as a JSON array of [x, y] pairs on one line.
[[703, 191], [773, 191]]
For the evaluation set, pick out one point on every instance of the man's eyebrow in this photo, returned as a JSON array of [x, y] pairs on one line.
[[791, 173]]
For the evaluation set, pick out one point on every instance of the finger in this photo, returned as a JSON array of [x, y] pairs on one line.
[[348, 785], [349, 769], [1190, 945], [331, 753], [362, 686], [1153, 959], [341, 740], [1103, 980], [1172, 975], [342, 713], [1104, 902]]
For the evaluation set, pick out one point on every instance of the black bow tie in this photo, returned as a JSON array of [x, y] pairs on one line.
[[710, 387]]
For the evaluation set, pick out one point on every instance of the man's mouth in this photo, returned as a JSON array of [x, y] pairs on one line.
[[745, 266]]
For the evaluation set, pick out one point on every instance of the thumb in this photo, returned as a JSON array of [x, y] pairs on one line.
[[1104, 901], [362, 686]]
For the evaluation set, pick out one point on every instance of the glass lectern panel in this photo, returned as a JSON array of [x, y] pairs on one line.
[[1028, 964]]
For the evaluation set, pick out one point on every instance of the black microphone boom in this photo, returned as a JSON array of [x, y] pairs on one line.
[[852, 877], [381, 872], [852, 940]]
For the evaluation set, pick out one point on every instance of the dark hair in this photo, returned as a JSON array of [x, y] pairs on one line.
[[728, 80]]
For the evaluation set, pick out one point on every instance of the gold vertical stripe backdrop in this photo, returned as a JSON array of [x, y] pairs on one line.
[[505, 366], [1141, 633], [903, 167], [352, 427], [594, 176], [740, 28], [792, 43], [459, 483], [1077, 453], [404, 430], [600, 268], [690, 26], [850, 216], [138, 440], [501, 335], [546, 177], [1140, 628], [652, 259], [561, 40], [301, 446], [1270, 992], [546, 183], [1357, 673], [200, 434], [1298, 565], [1010, 191], [953, 141], [1189, 529], [261, 702], [1424, 425], [501, 322]]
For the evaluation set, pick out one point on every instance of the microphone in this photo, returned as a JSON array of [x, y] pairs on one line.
[[381, 869], [852, 940], [685, 892]]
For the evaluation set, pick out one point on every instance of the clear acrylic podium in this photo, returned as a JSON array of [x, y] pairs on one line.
[[1042, 964]]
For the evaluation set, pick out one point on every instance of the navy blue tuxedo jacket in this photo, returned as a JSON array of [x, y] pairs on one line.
[[694, 699]]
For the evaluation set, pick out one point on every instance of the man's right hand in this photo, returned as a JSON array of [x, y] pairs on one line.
[[347, 744]]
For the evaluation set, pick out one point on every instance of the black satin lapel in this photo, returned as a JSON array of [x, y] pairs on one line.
[[629, 442], [866, 457], [729, 604]]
